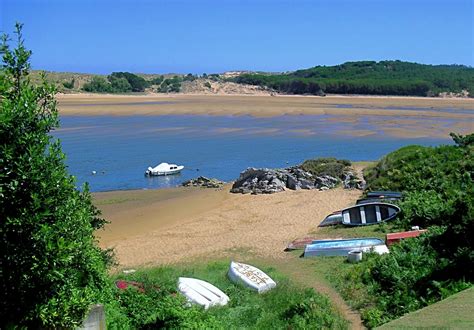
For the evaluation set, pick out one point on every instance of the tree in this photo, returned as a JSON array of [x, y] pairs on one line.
[[51, 267], [97, 85], [137, 83]]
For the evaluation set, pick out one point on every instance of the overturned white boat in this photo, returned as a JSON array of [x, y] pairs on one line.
[[164, 169], [201, 292], [250, 276]]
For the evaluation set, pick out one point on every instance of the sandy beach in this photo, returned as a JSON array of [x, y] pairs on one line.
[[394, 116], [156, 227]]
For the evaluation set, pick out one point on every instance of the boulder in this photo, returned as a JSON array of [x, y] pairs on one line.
[[203, 182], [326, 181], [269, 181], [352, 181]]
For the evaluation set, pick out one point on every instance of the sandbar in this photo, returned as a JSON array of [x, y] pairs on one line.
[[403, 117]]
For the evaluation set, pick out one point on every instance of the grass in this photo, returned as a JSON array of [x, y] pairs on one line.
[[289, 305], [454, 312]]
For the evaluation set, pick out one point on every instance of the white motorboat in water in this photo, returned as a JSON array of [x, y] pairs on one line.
[[164, 169]]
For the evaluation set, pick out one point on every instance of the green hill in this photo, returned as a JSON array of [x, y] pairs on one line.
[[369, 77], [454, 312]]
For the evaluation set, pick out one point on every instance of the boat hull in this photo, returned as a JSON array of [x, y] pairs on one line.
[[369, 214], [299, 244], [152, 172], [332, 219], [251, 277], [201, 292], [341, 247]]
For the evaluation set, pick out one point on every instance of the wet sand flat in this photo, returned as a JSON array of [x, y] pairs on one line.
[[255, 105], [403, 117]]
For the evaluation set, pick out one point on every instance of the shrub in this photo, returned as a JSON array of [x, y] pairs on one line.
[[52, 270], [137, 83], [326, 166], [438, 186], [97, 84], [69, 84]]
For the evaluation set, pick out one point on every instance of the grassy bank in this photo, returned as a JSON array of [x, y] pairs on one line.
[[290, 305], [438, 187]]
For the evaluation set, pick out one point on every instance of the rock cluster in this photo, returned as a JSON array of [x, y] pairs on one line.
[[269, 181], [203, 182], [352, 181]]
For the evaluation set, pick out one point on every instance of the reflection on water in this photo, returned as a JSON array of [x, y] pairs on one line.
[[120, 149]]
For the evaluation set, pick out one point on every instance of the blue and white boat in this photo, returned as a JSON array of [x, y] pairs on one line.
[[341, 247], [369, 214]]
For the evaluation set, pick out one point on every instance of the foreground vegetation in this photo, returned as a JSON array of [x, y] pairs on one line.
[[454, 312], [369, 77], [159, 306], [438, 187], [52, 269]]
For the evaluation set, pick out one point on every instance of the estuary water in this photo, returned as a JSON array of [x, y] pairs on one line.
[[120, 148]]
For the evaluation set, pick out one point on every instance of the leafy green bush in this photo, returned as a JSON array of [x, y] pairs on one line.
[[97, 84], [326, 166], [52, 270], [136, 83], [438, 186], [69, 84]]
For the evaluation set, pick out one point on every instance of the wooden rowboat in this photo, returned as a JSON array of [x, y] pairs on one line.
[[369, 214], [397, 237], [332, 219]]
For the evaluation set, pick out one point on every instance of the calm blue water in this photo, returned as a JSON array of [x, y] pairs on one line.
[[121, 148]]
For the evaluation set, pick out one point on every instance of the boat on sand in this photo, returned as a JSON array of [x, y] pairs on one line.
[[251, 277], [341, 247], [201, 292], [369, 214], [163, 169], [299, 244], [332, 219]]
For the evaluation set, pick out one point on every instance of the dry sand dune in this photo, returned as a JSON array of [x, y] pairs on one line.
[[161, 227]]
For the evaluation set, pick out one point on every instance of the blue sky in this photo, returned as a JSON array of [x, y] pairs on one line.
[[158, 36]]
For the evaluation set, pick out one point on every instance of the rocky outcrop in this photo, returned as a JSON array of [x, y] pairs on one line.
[[203, 182], [352, 181], [269, 181]]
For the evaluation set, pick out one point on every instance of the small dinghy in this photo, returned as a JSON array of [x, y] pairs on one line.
[[333, 219], [299, 244], [164, 169], [201, 292], [375, 200], [397, 237], [250, 276], [369, 214], [341, 247], [384, 194]]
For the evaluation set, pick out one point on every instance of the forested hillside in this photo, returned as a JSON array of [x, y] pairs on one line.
[[369, 77]]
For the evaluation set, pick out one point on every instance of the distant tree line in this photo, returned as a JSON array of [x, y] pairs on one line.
[[126, 82], [369, 77]]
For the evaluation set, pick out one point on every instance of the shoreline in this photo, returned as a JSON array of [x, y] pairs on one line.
[[165, 226]]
